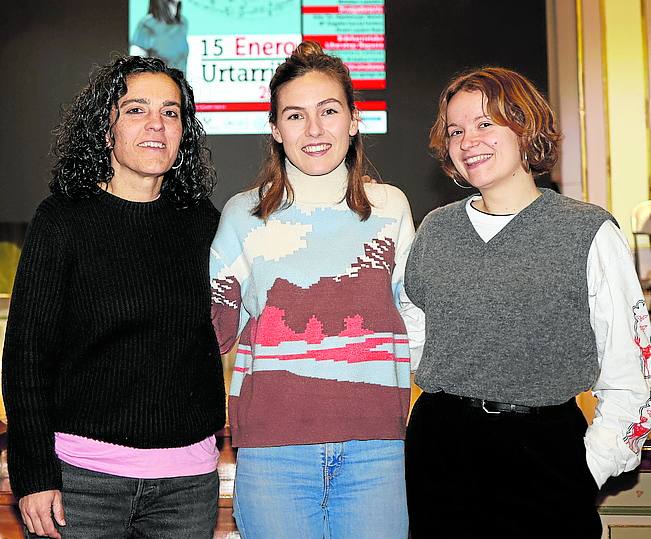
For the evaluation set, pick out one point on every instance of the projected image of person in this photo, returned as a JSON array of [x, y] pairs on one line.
[[111, 372], [530, 298], [162, 33], [307, 270]]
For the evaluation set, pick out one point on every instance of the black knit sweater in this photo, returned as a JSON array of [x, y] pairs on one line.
[[109, 334]]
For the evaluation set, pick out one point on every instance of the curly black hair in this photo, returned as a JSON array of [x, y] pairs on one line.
[[83, 158]]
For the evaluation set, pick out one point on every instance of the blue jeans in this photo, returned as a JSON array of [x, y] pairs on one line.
[[106, 506], [346, 490]]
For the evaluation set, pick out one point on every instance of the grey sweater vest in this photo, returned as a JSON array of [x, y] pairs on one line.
[[507, 320]]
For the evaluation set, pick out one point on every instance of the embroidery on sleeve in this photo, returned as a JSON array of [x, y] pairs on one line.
[[637, 432]]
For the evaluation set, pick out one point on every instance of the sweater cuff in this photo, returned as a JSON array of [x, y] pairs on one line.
[[30, 477]]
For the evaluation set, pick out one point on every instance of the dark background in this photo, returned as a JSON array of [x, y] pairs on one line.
[[47, 50]]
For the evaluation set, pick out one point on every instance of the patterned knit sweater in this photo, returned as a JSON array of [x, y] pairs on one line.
[[316, 297]]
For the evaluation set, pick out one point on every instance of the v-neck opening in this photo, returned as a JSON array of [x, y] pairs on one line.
[[545, 194]]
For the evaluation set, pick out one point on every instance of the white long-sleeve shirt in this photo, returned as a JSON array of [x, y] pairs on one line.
[[619, 318]]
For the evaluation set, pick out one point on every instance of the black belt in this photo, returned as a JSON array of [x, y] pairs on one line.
[[493, 407]]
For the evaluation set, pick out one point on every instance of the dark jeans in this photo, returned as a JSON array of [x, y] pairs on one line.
[[472, 474], [99, 505]]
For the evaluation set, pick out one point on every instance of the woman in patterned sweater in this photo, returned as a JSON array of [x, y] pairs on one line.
[[307, 271]]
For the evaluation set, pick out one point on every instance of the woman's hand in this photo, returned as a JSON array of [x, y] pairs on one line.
[[37, 510]]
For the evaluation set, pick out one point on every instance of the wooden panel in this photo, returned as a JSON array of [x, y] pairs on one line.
[[629, 532], [226, 527], [10, 527], [226, 465]]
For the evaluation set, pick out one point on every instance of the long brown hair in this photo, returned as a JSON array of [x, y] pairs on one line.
[[274, 189], [512, 101]]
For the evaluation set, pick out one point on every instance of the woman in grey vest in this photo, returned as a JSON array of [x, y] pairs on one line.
[[530, 298]]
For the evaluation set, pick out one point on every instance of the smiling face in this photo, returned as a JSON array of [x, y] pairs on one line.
[[147, 133], [484, 153], [314, 123]]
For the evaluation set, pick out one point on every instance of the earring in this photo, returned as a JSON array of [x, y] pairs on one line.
[[176, 167], [462, 186], [527, 166]]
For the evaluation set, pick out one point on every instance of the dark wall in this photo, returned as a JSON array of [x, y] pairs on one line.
[[47, 50]]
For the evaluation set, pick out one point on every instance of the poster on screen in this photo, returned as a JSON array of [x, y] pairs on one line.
[[229, 50]]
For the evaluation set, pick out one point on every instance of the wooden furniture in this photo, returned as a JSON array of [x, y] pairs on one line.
[[625, 502], [10, 527], [226, 528]]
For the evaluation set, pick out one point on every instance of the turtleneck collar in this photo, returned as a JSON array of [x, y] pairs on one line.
[[328, 189]]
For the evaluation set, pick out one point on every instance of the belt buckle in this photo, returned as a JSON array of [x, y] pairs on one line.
[[483, 407]]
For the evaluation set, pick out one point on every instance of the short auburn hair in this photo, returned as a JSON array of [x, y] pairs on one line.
[[511, 101]]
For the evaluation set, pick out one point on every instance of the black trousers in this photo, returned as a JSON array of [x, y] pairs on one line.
[[474, 475]]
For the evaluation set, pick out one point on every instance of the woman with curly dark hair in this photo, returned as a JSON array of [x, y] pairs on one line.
[[530, 298], [111, 371]]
